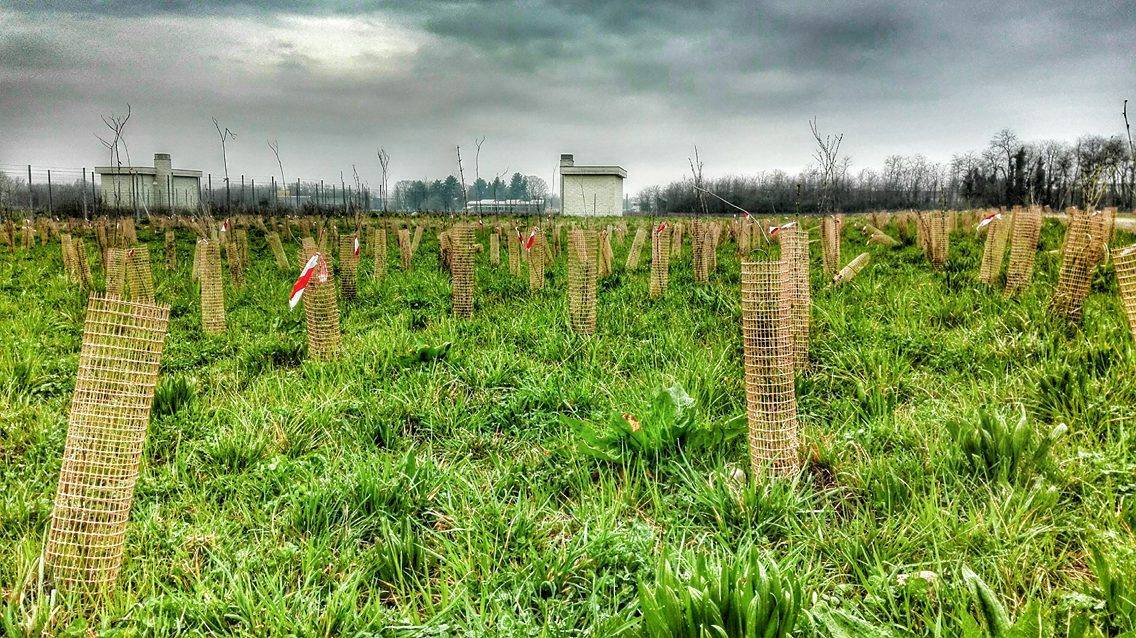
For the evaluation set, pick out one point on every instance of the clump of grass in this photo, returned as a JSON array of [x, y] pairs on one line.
[[174, 393], [1002, 449], [744, 597]]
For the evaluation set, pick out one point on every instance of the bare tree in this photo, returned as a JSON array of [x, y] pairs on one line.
[[274, 145], [827, 156], [477, 167], [117, 124], [225, 135], [384, 164], [461, 176], [696, 173]]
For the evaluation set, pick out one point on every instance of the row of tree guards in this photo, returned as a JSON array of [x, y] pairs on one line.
[[125, 329]]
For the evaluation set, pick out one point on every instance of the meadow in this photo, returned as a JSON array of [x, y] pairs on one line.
[[969, 465]]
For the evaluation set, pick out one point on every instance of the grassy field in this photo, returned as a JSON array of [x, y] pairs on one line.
[[417, 489]]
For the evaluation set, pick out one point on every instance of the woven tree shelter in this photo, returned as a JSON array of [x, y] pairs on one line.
[[115, 272], [852, 269], [699, 237], [636, 249], [106, 430], [660, 260], [676, 240], [994, 251], [461, 270], [277, 248], [348, 266], [536, 259], [605, 256], [81, 262], [235, 260], [515, 253], [582, 280], [139, 275], [417, 238], [212, 287], [830, 227], [796, 286], [405, 252], [771, 402], [1125, 263], [321, 313], [171, 250], [1023, 249], [495, 249], [379, 240], [1083, 251], [67, 251], [308, 248]]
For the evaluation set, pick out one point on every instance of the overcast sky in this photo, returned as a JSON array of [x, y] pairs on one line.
[[629, 83]]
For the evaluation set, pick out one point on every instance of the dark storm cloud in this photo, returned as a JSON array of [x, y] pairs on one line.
[[636, 82]]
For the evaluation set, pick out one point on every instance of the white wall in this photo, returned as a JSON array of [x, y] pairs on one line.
[[185, 191], [580, 192]]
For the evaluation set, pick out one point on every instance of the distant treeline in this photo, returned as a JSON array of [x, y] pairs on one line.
[[1007, 173]]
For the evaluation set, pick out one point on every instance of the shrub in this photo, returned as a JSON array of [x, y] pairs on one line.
[[668, 424]]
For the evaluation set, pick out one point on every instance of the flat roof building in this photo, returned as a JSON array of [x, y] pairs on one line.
[[159, 186], [590, 190]]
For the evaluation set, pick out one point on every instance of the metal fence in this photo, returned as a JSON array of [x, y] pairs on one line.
[[78, 191]]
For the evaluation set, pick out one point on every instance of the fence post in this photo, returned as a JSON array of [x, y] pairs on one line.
[[83, 192], [29, 186], [297, 193], [50, 202], [275, 195]]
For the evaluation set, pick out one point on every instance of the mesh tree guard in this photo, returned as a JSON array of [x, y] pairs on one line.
[[495, 249], [1023, 249], [676, 240], [321, 313], [236, 263], [771, 403], [171, 251], [582, 258], [1125, 263], [379, 239], [1080, 256], [212, 287], [830, 227], [139, 276], [934, 236], [277, 248], [405, 252], [605, 256], [84, 267], [699, 239], [636, 250], [198, 256], [307, 249], [115, 272], [536, 259], [348, 261], [660, 260], [515, 253], [994, 251], [852, 269], [106, 429], [67, 251], [461, 270], [795, 285], [417, 239]]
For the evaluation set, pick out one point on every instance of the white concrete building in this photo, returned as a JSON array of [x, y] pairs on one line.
[[159, 187], [590, 190]]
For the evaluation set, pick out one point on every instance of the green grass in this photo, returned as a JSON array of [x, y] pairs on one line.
[[487, 488]]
